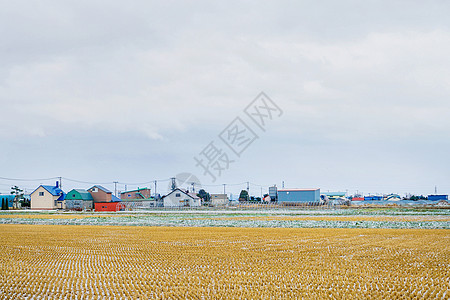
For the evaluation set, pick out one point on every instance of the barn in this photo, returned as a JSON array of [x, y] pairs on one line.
[[79, 199]]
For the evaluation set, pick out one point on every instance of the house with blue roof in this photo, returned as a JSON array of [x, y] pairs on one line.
[[48, 197]]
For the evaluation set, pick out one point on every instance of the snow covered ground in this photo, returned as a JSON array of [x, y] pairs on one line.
[[339, 218]]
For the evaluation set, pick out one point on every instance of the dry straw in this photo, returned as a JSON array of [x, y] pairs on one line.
[[82, 262]]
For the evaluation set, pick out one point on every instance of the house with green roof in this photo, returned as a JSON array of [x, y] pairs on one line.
[[79, 199]]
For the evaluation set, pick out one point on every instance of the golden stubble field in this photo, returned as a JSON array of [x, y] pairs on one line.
[[96, 262]]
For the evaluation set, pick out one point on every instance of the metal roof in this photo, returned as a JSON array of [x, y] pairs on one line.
[[115, 199], [79, 194], [137, 190], [53, 190], [340, 194], [194, 195], [180, 190], [101, 188]]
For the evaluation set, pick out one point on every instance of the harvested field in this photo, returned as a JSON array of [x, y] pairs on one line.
[[107, 262]]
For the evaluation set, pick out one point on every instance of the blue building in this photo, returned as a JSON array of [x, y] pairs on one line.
[[8, 198], [306, 196], [437, 197], [373, 198]]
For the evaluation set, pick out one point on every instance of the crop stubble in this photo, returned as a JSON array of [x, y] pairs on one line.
[[100, 262]]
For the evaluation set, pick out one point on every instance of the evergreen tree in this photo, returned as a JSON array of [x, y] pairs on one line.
[[243, 196], [18, 195], [206, 197]]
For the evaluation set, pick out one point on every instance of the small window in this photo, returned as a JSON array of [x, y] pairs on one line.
[[94, 190], [177, 195], [41, 193]]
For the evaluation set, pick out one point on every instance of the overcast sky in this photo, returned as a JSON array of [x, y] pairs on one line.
[[103, 91]]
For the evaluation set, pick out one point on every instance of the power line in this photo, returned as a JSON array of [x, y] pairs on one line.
[[80, 181], [21, 179], [258, 185], [241, 183], [147, 182], [211, 185]]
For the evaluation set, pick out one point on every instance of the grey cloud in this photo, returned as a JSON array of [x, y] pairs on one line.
[[172, 74]]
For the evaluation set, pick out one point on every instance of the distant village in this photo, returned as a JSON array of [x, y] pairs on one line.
[[99, 198]]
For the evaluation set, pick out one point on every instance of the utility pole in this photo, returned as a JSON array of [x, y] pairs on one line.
[[283, 184], [224, 189], [115, 188], [155, 187], [193, 187], [435, 189], [60, 183], [248, 187]]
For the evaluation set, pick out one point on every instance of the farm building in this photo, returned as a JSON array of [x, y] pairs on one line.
[[133, 204], [294, 196], [7, 200], [101, 194], [139, 199], [393, 197], [357, 199], [180, 198], [219, 199], [48, 197], [437, 197], [109, 206], [79, 199], [334, 195], [144, 193], [373, 198], [104, 200]]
